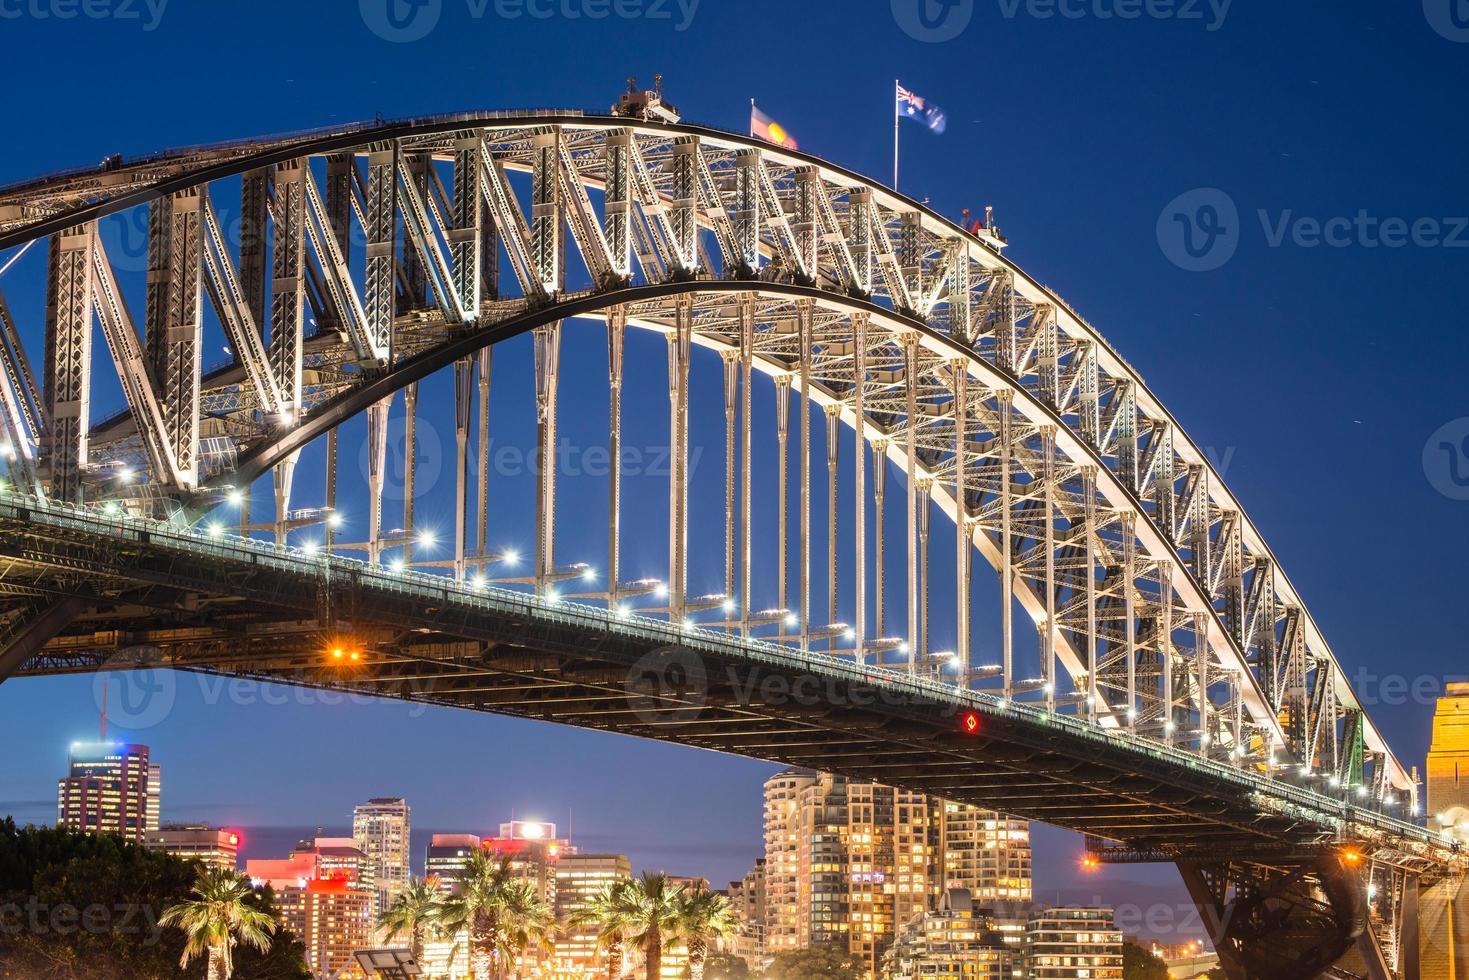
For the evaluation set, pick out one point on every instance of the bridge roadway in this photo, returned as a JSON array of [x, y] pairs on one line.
[[163, 595]]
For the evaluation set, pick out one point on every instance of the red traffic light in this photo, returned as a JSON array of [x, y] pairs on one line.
[[970, 722]]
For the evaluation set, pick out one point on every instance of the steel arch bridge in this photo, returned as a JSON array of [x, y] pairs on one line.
[[1171, 675]]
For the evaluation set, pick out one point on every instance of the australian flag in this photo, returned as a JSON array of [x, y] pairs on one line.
[[916, 107]]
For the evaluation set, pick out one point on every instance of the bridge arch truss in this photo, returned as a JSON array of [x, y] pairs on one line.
[[1156, 604]]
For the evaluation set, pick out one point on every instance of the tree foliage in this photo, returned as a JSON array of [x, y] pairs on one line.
[[721, 966], [1140, 964], [86, 907], [826, 962]]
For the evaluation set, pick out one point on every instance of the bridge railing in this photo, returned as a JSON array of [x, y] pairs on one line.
[[1340, 814]]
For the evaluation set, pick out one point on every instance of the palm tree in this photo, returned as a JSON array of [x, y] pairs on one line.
[[526, 921], [502, 914], [702, 915], [608, 913], [415, 910], [218, 919], [652, 917]]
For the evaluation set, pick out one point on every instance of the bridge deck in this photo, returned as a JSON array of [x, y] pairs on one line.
[[160, 595]]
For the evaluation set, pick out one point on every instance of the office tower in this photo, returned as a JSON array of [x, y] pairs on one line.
[[1070, 942], [325, 894], [579, 878], [534, 851], [111, 788], [380, 827], [957, 941], [446, 856], [196, 842]]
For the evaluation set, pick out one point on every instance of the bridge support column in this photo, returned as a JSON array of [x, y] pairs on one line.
[[1050, 671], [377, 452], [833, 457], [925, 495], [679, 351], [616, 332], [747, 377], [910, 370], [1129, 613], [783, 487], [1007, 545], [1286, 925], [879, 565], [1443, 930], [482, 496], [328, 531], [463, 404], [962, 527], [731, 524], [804, 317], [410, 466], [283, 475], [548, 366]]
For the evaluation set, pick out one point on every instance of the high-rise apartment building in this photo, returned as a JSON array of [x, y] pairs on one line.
[[110, 788], [890, 865], [579, 879], [1066, 943], [196, 842], [805, 860], [747, 900], [850, 862], [380, 827], [956, 941], [986, 854]]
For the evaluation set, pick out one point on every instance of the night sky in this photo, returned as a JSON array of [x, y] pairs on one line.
[[1320, 377]]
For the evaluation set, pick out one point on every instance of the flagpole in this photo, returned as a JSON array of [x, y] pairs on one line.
[[896, 87], [752, 116]]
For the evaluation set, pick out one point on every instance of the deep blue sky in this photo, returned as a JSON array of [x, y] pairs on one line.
[[1316, 375]]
